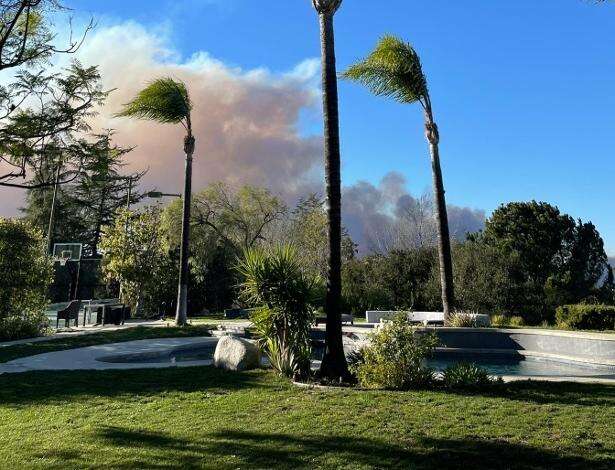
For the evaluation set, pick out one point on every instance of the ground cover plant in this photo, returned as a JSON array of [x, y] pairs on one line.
[[206, 418], [468, 376], [395, 357]]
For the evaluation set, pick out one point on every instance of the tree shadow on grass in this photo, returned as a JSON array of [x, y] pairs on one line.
[[49, 387], [239, 449], [545, 393]]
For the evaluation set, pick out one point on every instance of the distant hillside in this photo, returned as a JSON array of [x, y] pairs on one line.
[[612, 261]]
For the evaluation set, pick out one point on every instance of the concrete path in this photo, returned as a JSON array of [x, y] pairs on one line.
[[89, 358], [88, 330]]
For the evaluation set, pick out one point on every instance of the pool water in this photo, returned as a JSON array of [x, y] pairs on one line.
[[195, 353], [497, 365], [526, 366]]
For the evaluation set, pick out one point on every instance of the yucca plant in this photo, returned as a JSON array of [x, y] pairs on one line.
[[167, 101], [334, 366], [274, 282], [394, 70]]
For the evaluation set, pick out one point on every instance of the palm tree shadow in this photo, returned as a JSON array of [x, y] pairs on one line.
[[267, 450], [53, 387], [545, 393]]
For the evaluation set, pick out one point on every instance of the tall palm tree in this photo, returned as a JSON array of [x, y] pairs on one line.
[[394, 70], [167, 101], [334, 364]]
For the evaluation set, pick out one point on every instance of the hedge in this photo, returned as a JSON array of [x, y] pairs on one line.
[[586, 317]]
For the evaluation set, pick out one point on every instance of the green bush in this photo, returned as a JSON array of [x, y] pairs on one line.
[[274, 281], [395, 357], [463, 320], [28, 325], [25, 273], [464, 375], [586, 317], [503, 321]]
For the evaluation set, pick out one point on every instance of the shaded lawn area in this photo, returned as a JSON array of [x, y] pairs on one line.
[[205, 418], [9, 353]]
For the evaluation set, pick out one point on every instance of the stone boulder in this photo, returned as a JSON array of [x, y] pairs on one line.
[[236, 354]]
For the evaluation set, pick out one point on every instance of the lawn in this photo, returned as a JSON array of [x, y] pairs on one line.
[[205, 418], [8, 353]]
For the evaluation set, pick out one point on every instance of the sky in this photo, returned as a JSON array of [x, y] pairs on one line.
[[522, 92]]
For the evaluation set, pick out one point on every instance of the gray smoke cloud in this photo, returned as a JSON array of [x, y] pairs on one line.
[[246, 123], [386, 216]]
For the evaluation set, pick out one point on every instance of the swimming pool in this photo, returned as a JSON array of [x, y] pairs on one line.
[[501, 365], [196, 353], [498, 364]]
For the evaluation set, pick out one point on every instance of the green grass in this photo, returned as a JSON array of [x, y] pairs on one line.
[[8, 353], [205, 418]]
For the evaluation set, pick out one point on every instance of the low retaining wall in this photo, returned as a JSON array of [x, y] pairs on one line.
[[590, 347], [375, 316]]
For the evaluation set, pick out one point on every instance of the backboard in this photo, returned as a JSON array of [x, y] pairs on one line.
[[64, 252]]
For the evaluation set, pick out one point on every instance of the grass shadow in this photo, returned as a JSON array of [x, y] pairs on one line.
[[48, 387], [545, 393], [269, 450]]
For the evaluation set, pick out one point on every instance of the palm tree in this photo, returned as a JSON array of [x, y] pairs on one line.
[[334, 364], [167, 101], [394, 69]]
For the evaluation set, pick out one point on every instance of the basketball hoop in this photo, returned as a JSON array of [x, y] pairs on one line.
[[65, 252], [64, 257]]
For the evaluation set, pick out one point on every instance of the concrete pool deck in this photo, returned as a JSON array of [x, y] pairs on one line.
[[89, 358], [87, 330]]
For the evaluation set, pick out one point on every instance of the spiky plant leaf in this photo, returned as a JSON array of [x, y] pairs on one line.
[[393, 69], [164, 100]]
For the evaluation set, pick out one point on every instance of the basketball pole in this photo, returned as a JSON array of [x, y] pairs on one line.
[[52, 210]]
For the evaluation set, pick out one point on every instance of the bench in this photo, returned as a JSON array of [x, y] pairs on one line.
[[346, 318], [374, 316], [71, 312], [236, 314], [426, 318]]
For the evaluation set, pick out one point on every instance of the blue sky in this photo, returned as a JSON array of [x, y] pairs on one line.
[[523, 91]]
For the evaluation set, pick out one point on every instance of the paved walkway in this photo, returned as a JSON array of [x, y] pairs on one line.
[[89, 358], [87, 330]]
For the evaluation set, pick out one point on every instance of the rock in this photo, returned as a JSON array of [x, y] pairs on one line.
[[236, 354]]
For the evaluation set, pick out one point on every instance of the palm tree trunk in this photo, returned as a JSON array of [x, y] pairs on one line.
[[444, 239], [181, 317], [334, 361]]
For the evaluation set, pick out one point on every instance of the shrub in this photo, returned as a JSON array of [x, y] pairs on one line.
[[462, 320], [464, 375], [586, 317], [274, 281], [395, 358], [137, 256], [26, 273], [503, 321], [516, 321], [28, 325], [499, 321], [356, 358]]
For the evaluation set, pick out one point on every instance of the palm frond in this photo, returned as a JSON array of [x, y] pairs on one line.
[[164, 100], [327, 7], [393, 69]]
